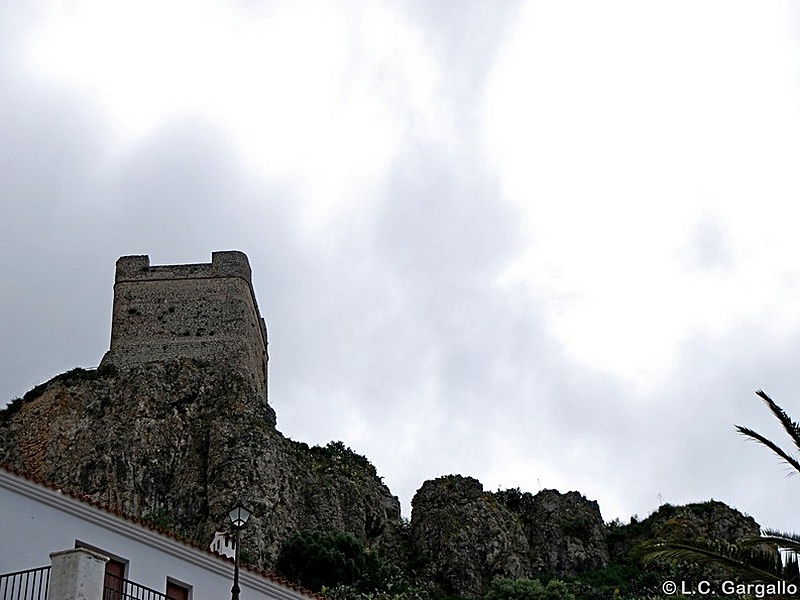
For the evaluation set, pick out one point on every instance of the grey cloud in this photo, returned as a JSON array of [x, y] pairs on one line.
[[443, 218], [392, 318], [466, 37]]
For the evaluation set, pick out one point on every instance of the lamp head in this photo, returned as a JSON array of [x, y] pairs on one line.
[[239, 515]]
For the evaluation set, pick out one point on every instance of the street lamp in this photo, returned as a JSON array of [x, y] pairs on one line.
[[238, 516]]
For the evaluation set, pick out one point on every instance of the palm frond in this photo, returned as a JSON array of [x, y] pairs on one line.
[[782, 540], [790, 426], [792, 461], [750, 563], [783, 535]]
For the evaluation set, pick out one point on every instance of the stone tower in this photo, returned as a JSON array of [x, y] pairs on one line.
[[204, 311]]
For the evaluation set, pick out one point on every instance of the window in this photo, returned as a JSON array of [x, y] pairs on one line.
[[115, 568], [114, 582], [177, 590]]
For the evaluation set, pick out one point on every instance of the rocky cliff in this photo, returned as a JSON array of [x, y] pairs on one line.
[[464, 537], [703, 521], [178, 442]]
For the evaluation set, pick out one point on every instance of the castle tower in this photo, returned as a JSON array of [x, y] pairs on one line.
[[205, 311]]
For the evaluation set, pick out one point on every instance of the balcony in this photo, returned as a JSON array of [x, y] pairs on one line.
[[31, 584], [117, 588], [71, 579]]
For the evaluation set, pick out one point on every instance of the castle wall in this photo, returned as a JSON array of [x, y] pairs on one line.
[[204, 311]]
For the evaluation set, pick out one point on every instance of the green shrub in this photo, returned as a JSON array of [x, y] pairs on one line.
[[528, 589], [317, 559]]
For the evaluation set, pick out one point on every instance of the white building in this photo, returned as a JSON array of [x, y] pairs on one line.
[[37, 521]]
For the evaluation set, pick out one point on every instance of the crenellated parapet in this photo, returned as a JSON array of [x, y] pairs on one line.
[[205, 311], [230, 263]]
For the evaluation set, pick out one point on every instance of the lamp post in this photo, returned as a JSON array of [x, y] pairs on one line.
[[238, 516]]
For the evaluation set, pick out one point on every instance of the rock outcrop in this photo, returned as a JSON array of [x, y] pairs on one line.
[[566, 532], [464, 537], [178, 442], [702, 521], [712, 520]]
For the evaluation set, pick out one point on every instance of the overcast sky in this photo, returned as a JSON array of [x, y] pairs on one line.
[[545, 244]]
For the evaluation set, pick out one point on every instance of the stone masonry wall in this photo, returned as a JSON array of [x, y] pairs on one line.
[[204, 311]]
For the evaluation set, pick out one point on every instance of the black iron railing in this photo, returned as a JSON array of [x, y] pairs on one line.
[[117, 588], [25, 585], [33, 584]]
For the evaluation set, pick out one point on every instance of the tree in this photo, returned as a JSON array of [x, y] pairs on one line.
[[756, 558], [318, 560]]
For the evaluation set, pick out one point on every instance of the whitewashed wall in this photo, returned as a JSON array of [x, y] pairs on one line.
[[35, 521]]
